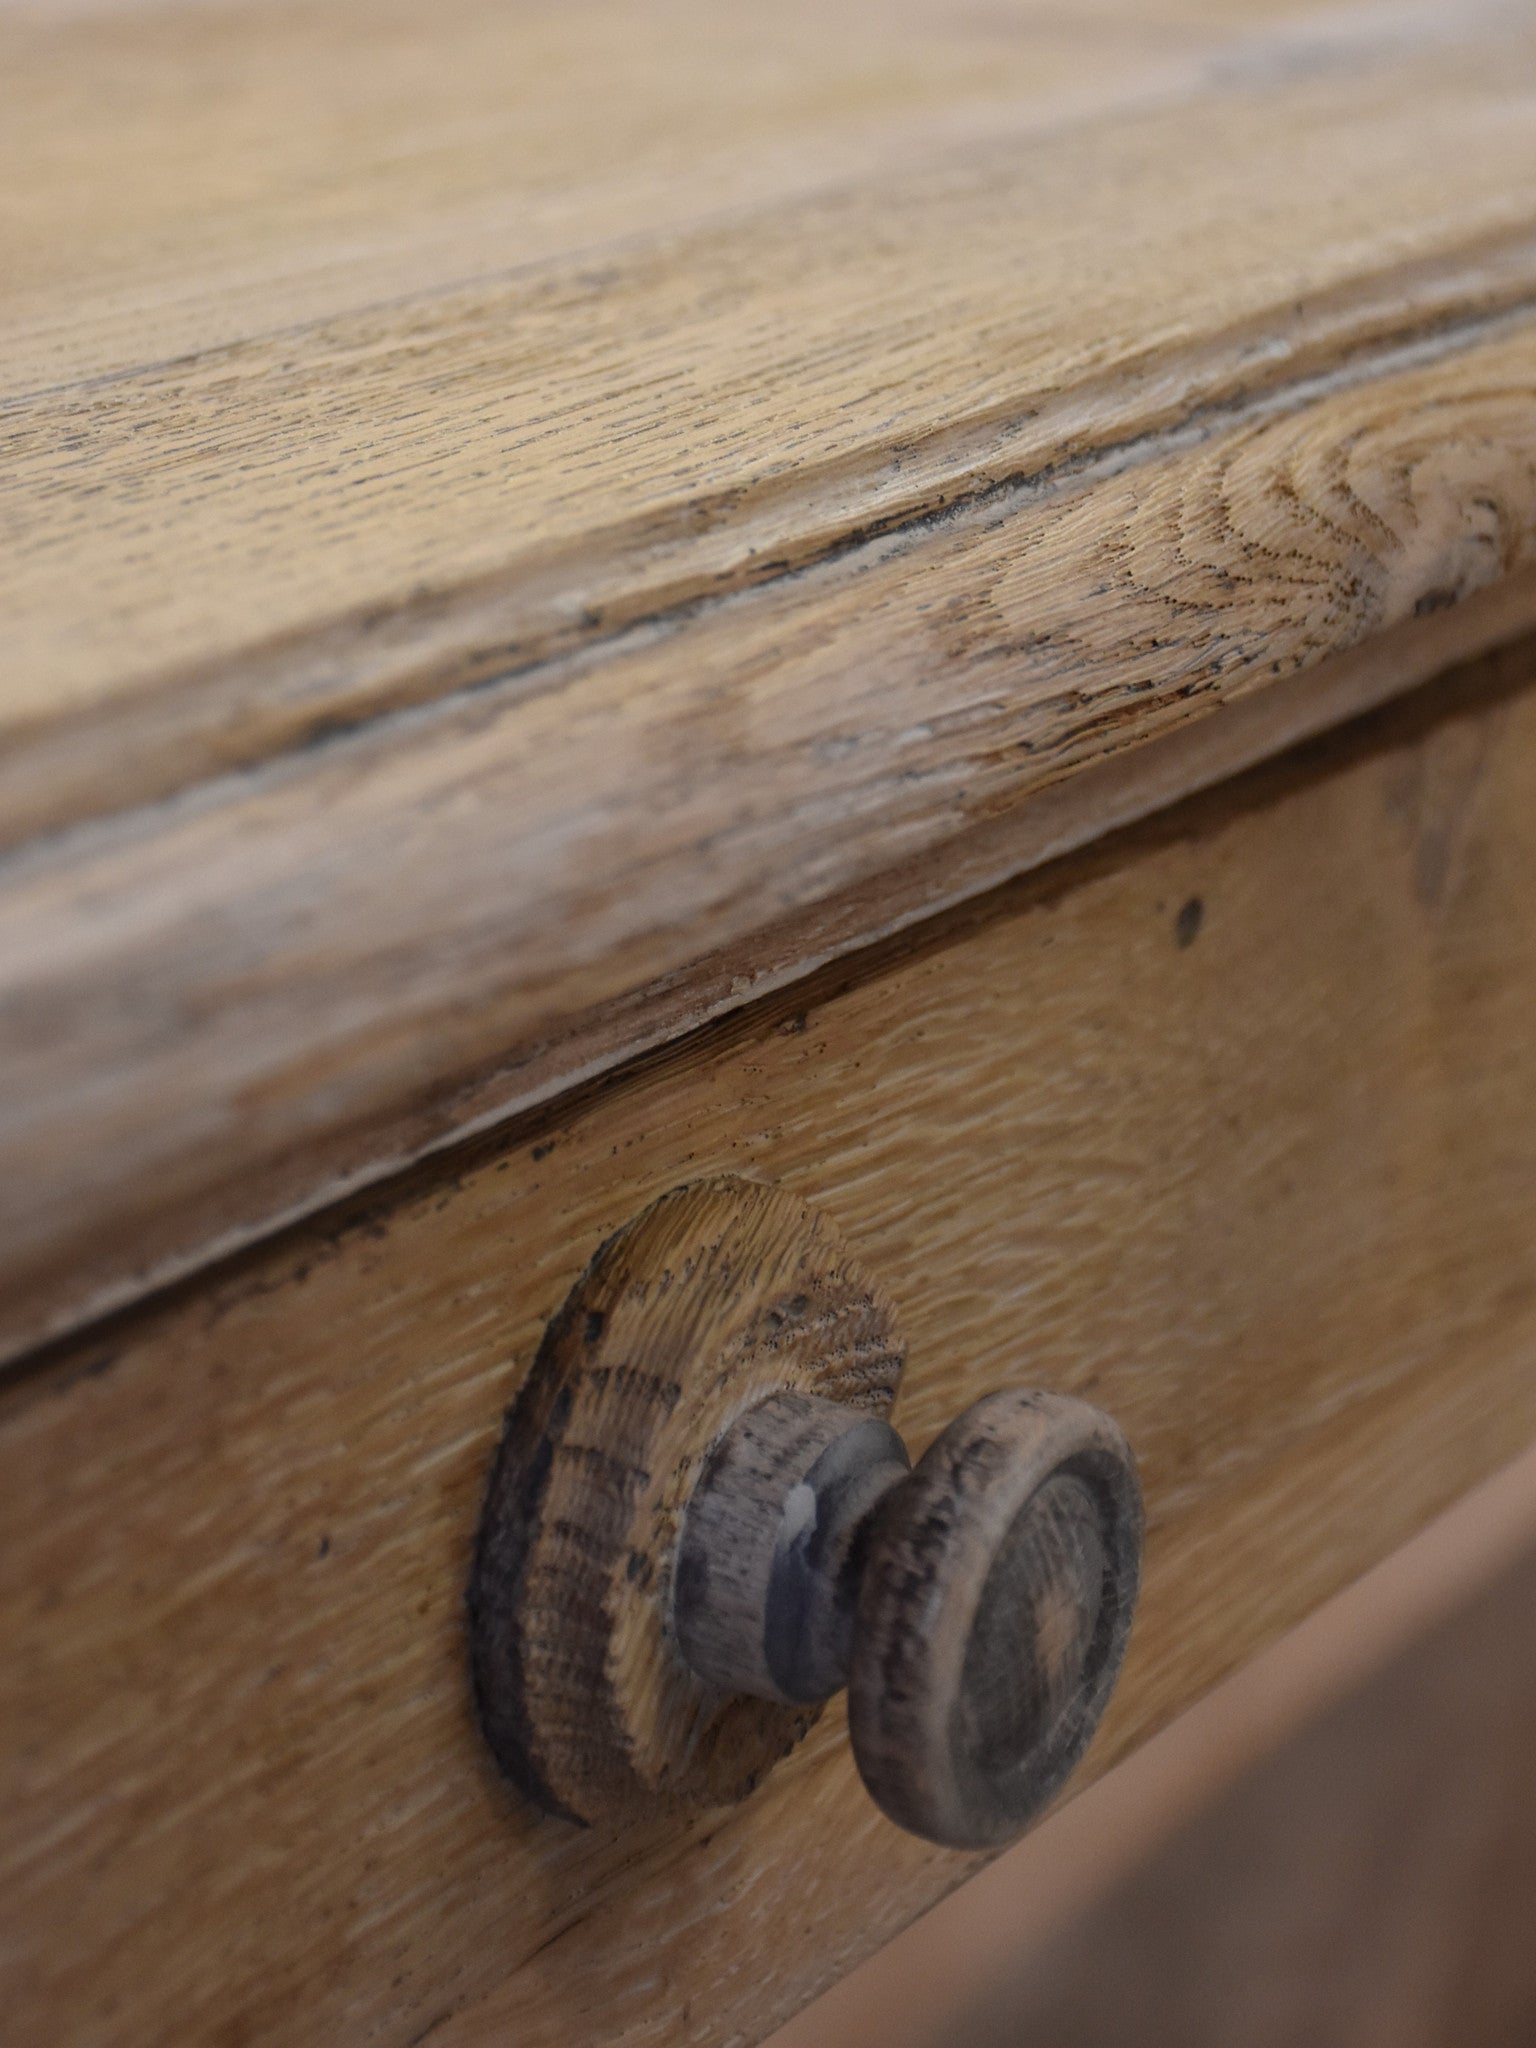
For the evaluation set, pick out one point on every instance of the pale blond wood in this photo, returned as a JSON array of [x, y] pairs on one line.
[[372, 352], [217, 1013], [523, 523], [718, 1295], [1265, 1194]]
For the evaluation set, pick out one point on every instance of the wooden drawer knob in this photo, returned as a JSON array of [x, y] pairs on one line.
[[977, 1609], [701, 1525]]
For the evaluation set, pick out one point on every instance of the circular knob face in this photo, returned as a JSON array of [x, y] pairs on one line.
[[993, 1615]]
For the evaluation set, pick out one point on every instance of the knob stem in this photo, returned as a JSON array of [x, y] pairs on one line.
[[770, 1556]]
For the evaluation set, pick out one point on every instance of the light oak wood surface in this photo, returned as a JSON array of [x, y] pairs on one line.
[[523, 526], [311, 314], [1225, 1127]]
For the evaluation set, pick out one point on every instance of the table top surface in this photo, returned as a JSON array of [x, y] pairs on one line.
[[505, 504], [351, 353]]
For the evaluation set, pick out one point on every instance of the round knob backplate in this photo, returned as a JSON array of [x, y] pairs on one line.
[[719, 1296]]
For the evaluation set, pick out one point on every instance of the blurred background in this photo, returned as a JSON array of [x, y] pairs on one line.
[[1337, 1848]]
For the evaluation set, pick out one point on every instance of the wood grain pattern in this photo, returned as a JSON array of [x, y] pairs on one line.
[[1226, 1128], [464, 331], [571, 508], [215, 1014], [719, 1294]]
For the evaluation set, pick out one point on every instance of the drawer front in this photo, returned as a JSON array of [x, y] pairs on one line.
[[1226, 1127]]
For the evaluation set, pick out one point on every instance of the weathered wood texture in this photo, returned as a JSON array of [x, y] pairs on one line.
[[1227, 1128], [638, 1601], [999, 1588], [349, 356], [770, 1552], [524, 524], [717, 1295]]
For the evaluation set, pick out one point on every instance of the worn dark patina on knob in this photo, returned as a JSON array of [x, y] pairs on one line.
[[977, 1609], [701, 1525]]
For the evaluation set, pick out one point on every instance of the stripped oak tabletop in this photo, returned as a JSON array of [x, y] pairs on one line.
[[525, 525]]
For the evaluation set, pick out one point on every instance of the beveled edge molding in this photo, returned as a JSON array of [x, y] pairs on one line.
[[173, 1172]]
